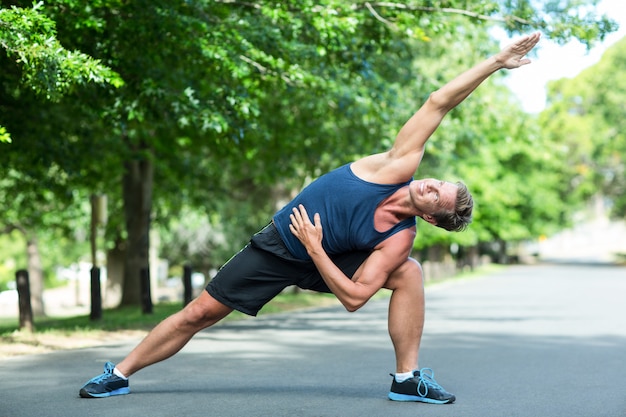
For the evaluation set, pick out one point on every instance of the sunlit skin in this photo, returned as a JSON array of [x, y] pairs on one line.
[[431, 195]]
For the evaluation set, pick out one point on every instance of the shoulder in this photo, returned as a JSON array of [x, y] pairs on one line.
[[398, 244], [391, 253], [383, 168]]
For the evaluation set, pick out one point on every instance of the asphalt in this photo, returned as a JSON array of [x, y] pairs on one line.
[[543, 340]]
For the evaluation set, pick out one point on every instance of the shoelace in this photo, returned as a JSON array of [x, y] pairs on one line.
[[426, 380], [108, 371]]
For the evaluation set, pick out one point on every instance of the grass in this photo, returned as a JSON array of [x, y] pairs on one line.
[[131, 318]]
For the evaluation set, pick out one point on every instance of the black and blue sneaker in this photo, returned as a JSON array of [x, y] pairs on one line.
[[105, 385], [422, 387]]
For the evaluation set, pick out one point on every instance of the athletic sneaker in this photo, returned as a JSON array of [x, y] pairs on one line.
[[422, 387], [105, 385]]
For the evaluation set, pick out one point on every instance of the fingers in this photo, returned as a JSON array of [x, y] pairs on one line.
[[294, 226], [300, 222], [299, 215], [295, 216], [303, 213], [317, 220], [513, 56], [528, 42], [527, 46]]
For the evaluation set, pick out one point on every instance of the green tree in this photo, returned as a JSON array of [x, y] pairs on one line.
[[211, 86], [585, 117], [492, 146], [35, 63], [41, 63]]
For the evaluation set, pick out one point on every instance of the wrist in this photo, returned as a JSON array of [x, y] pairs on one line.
[[497, 61], [315, 251]]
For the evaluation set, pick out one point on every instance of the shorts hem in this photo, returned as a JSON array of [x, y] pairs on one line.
[[230, 304]]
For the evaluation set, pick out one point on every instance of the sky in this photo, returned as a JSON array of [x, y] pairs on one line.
[[554, 62]]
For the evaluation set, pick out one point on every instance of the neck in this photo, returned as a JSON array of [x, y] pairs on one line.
[[400, 204]]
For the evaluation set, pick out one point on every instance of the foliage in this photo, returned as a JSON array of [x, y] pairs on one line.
[[13, 258], [29, 38], [57, 251], [4, 135], [585, 117], [501, 155], [237, 104]]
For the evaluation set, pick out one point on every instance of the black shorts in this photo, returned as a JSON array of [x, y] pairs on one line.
[[264, 267]]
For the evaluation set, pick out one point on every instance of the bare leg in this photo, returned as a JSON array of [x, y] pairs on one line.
[[406, 314], [169, 336]]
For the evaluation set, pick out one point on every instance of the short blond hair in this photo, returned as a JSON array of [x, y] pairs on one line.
[[461, 217]]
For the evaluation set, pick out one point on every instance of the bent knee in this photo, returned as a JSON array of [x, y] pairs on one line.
[[409, 273], [204, 311]]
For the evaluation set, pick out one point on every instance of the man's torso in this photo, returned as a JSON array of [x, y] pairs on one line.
[[350, 208]]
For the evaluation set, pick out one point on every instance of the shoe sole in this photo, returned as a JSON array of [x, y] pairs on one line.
[[415, 398], [120, 391]]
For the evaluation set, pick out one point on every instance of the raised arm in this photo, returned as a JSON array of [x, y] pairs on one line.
[[401, 162]]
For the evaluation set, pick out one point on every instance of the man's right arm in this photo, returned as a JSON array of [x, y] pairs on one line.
[[400, 163]]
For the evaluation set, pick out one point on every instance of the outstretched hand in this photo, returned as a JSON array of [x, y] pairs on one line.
[[512, 56], [309, 234]]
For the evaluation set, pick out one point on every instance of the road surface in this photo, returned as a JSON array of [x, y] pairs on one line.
[[545, 340]]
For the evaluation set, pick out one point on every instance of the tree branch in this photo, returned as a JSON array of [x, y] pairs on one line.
[[379, 17], [265, 70], [384, 4], [239, 3]]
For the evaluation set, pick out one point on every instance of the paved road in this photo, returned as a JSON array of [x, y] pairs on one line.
[[544, 340]]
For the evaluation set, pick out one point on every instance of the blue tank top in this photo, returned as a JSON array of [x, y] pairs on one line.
[[346, 205]]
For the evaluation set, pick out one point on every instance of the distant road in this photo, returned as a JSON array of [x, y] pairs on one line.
[[544, 340], [597, 240]]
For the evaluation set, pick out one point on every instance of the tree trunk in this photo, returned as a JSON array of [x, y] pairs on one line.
[[435, 264], [115, 275], [468, 258], [503, 257], [137, 189], [473, 257], [35, 273]]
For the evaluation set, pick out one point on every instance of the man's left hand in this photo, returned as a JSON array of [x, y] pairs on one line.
[[309, 234]]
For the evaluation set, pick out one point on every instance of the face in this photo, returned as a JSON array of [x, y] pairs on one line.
[[431, 196]]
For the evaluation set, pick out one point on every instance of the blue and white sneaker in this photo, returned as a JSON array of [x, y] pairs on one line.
[[422, 387], [105, 385]]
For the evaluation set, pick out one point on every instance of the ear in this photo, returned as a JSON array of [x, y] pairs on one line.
[[430, 219]]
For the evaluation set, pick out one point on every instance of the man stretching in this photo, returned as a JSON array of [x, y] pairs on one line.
[[357, 242]]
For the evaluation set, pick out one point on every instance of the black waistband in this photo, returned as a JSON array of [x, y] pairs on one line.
[[269, 240]]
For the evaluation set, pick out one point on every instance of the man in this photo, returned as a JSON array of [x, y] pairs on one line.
[[358, 241]]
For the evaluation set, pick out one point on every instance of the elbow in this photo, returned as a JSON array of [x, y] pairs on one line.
[[352, 308], [438, 101], [357, 298], [353, 305]]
